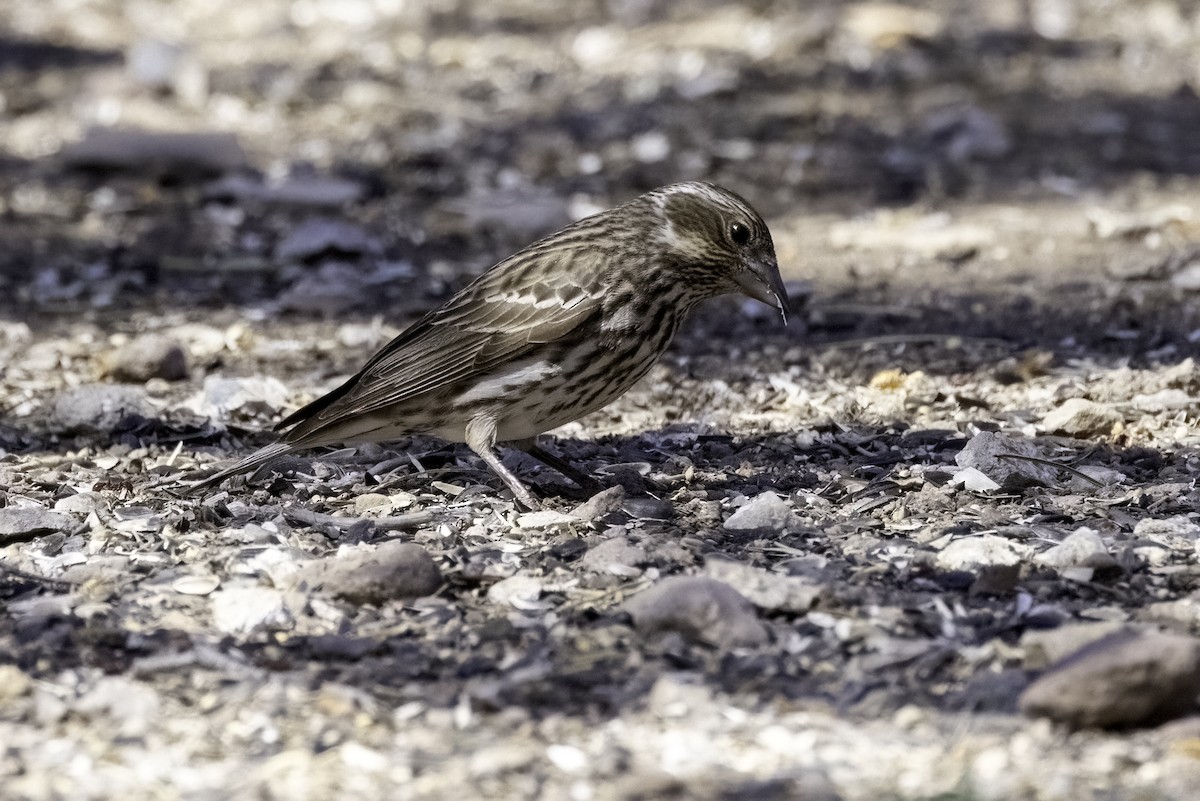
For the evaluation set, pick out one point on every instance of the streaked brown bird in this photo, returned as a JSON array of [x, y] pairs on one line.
[[554, 332]]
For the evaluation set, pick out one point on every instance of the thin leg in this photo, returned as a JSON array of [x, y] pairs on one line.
[[481, 438], [582, 479]]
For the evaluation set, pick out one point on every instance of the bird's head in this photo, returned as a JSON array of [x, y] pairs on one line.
[[719, 242]]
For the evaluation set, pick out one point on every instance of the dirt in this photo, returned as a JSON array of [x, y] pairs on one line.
[[982, 212]]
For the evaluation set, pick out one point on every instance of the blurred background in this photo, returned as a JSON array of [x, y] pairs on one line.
[[1019, 169]]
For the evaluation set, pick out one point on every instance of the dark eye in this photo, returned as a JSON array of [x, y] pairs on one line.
[[739, 233]]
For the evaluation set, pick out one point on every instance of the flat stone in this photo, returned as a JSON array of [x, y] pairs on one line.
[[27, 522]]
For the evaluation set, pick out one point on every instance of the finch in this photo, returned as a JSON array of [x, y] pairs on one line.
[[558, 330]]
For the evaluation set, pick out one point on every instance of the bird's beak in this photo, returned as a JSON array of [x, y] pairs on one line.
[[762, 282]]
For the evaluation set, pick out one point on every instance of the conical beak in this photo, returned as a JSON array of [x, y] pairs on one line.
[[762, 282]]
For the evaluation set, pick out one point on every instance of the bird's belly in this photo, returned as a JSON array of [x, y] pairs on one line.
[[586, 383]]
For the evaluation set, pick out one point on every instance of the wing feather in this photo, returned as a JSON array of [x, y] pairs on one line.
[[506, 314]]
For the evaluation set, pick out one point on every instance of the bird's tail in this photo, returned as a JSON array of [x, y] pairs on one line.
[[255, 460]]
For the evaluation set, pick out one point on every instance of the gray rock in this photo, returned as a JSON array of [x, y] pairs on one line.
[[376, 575], [156, 153], [765, 512], [616, 555], [18, 523], [1128, 678], [998, 456], [97, 407], [699, 608], [764, 589], [986, 550], [148, 356], [1079, 417]]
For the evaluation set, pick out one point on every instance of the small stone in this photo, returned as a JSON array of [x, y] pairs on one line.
[[241, 611], [986, 550], [1000, 458], [19, 523], [765, 512], [1128, 678], [699, 608], [600, 505], [98, 407], [375, 575], [764, 589], [1081, 548], [145, 357], [617, 556], [1079, 417]]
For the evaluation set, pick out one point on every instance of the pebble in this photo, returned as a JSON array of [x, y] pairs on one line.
[[764, 589], [765, 512], [600, 505], [699, 608], [617, 556], [375, 575], [145, 357], [1079, 417], [1083, 547], [98, 407], [1127, 678]]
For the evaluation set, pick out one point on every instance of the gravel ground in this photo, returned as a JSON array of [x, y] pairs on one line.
[[937, 539]]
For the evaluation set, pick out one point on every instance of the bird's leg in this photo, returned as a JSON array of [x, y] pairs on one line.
[[481, 438], [582, 479]]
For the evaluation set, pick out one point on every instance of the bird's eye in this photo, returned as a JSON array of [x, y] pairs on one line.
[[739, 233]]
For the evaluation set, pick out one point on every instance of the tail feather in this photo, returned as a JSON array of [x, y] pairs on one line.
[[252, 462]]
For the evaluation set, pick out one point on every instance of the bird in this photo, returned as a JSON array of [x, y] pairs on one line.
[[558, 330]]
